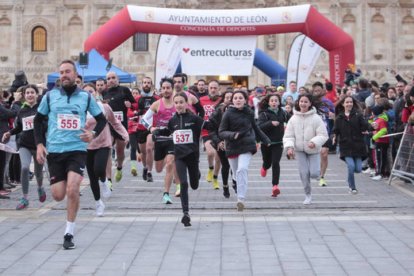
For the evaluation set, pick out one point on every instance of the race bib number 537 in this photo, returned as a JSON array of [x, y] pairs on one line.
[[68, 122], [183, 136]]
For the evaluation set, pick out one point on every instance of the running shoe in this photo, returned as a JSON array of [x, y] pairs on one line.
[[353, 191], [118, 175], [23, 204], [275, 191], [210, 174], [376, 177], [109, 184], [226, 191], [100, 208], [216, 185], [367, 170], [134, 171], [234, 186], [177, 190], [68, 241], [322, 182], [144, 173], [166, 199], [149, 177], [186, 220], [41, 193], [308, 200], [263, 172], [240, 206], [105, 189]]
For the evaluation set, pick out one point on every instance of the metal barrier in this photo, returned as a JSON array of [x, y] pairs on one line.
[[404, 161]]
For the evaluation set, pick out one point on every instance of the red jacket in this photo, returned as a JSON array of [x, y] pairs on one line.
[[406, 112]]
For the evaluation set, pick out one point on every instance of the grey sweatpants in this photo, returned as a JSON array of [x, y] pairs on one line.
[[25, 159], [309, 167]]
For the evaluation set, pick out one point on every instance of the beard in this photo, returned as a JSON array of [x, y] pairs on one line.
[[146, 89]]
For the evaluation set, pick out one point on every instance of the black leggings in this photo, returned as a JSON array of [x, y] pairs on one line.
[[381, 152], [96, 161], [225, 166], [271, 158], [190, 163], [133, 142]]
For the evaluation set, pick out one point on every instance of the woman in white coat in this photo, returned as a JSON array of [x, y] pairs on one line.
[[304, 136]]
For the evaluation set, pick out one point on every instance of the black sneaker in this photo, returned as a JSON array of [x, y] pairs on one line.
[[235, 186], [186, 220], [144, 173], [68, 242], [149, 177], [226, 191]]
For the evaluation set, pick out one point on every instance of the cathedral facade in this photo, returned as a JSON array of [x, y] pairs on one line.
[[37, 34]]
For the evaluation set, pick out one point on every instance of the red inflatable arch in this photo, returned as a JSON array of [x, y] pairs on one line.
[[303, 18]]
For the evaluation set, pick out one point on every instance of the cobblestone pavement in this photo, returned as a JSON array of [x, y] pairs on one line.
[[371, 233]]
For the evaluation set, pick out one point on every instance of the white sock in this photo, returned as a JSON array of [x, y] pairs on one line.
[[70, 228]]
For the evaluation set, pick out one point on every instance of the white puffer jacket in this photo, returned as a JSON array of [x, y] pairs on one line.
[[303, 128]]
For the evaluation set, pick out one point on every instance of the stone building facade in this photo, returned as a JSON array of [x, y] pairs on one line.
[[383, 31]]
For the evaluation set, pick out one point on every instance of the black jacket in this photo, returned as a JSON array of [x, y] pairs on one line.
[[240, 121], [349, 135], [26, 139], [186, 120], [275, 133], [5, 115]]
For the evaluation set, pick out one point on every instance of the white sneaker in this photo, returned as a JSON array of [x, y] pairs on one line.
[[368, 170], [105, 189], [353, 192], [100, 208], [308, 200], [377, 177]]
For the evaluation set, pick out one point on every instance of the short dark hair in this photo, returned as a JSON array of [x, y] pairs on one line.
[[182, 76], [363, 83], [170, 81], [30, 86], [70, 62]]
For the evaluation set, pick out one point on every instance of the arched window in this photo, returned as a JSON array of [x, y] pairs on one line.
[[140, 42], [39, 39]]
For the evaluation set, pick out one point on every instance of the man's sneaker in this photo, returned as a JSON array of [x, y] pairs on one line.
[[109, 184], [377, 177], [210, 174], [68, 241], [240, 206], [367, 170], [100, 208], [263, 172], [275, 191], [353, 191], [41, 193], [166, 198], [322, 182], [144, 173], [177, 190], [226, 191], [308, 200], [216, 185], [372, 174], [134, 171], [186, 220], [105, 188], [149, 177], [23, 204], [118, 175]]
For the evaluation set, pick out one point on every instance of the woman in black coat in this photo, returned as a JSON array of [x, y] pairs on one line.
[[239, 131], [350, 127]]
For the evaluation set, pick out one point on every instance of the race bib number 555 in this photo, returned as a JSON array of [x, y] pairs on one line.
[[183, 136], [68, 122]]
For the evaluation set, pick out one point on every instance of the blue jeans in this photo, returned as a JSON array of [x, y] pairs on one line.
[[354, 166]]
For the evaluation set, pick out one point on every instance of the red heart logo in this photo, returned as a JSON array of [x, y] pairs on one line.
[[186, 50]]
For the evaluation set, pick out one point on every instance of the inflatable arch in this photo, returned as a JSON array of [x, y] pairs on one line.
[[303, 18]]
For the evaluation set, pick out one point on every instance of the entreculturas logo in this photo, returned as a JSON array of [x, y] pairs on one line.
[[218, 53]]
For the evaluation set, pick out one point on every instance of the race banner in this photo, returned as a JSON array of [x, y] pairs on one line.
[[167, 58], [309, 55], [202, 55], [293, 60]]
